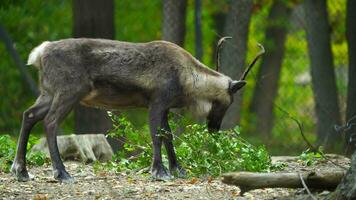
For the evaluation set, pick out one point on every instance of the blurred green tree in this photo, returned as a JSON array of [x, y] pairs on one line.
[[92, 19], [268, 75], [198, 30], [173, 25], [350, 138], [322, 72], [234, 52], [28, 23]]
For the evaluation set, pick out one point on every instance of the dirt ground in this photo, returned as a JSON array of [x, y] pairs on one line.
[[104, 185]]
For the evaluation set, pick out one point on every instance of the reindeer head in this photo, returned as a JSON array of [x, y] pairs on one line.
[[219, 106]]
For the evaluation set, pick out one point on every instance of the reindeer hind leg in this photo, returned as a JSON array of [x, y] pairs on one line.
[[30, 117], [62, 104]]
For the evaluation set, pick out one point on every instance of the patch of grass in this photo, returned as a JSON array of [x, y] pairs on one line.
[[201, 153], [8, 149]]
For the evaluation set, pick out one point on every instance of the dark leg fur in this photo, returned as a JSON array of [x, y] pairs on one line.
[[156, 116], [62, 104], [174, 167], [30, 117]]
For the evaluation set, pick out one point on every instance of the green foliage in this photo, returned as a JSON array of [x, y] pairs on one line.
[[204, 153], [149, 15], [38, 158], [311, 157], [30, 22], [8, 149], [7, 152], [135, 142], [199, 152]]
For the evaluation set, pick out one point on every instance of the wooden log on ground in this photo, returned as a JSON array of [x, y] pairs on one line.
[[316, 180]]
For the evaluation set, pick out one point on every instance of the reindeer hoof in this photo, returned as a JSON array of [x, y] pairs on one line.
[[62, 176], [160, 174], [178, 171], [20, 172], [24, 176]]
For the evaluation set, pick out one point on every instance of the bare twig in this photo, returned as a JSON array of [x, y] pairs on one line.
[[300, 126], [312, 147], [305, 186]]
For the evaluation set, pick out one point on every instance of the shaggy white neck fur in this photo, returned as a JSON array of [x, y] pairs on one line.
[[204, 89], [205, 86], [200, 107]]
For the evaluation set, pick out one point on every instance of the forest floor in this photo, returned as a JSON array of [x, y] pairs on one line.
[[136, 185]]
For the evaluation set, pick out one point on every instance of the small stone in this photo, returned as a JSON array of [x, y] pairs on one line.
[[324, 193], [89, 192]]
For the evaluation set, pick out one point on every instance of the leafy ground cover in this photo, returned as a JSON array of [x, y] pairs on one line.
[[201, 153], [132, 184], [8, 149], [205, 156]]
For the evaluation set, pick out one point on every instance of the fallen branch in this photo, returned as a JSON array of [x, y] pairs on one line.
[[316, 180], [306, 187]]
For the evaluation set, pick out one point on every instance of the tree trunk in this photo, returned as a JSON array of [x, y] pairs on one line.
[[234, 52], [346, 190], [322, 72], [92, 19], [350, 145], [173, 25], [198, 33], [218, 18], [269, 72], [173, 30]]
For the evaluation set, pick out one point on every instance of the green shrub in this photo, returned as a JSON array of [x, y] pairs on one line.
[[201, 153], [204, 153], [7, 152], [309, 157], [38, 158], [8, 149]]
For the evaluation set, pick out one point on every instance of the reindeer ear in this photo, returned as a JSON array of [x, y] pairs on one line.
[[236, 85]]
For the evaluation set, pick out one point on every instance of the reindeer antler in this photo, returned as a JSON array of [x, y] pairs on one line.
[[218, 48], [253, 62]]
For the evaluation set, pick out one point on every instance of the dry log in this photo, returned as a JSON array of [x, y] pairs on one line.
[[85, 147], [316, 180]]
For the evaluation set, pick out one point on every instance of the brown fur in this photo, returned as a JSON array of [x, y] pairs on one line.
[[139, 67], [112, 75]]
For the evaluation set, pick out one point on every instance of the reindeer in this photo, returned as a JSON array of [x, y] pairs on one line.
[[112, 75]]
